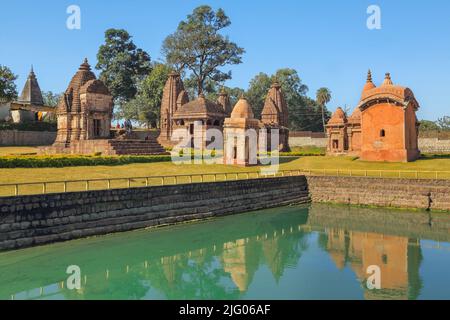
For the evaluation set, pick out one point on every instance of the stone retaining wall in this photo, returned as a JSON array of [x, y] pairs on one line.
[[26, 138], [401, 193], [434, 145], [308, 142], [426, 145], [35, 220], [39, 219]]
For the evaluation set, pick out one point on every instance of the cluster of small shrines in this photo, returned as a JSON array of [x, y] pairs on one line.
[[383, 126], [240, 130]]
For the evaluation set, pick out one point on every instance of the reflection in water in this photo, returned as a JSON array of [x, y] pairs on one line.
[[279, 253], [399, 260]]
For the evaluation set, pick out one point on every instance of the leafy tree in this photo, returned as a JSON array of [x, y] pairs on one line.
[[8, 89], [427, 125], [51, 99], [212, 90], [257, 92], [210, 87], [444, 123], [304, 113], [122, 64], [198, 45], [323, 96], [145, 106]]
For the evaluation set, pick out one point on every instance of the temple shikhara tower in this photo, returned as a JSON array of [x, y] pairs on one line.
[[30, 105], [275, 115], [383, 127], [174, 96]]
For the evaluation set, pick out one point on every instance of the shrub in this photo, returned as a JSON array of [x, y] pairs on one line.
[[304, 152], [74, 161]]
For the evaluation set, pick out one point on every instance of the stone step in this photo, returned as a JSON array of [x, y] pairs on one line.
[[136, 147]]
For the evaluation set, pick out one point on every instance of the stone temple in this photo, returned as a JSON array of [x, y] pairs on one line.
[[237, 134], [30, 106], [177, 112], [383, 127], [84, 116]]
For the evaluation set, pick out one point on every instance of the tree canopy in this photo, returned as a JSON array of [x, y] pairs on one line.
[[145, 106], [198, 46], [8, 89], [51, 99], [122, 64], [444, 123], [304, 113]]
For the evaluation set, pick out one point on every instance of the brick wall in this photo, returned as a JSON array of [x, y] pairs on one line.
[[34, 220], [401, 193], [26, 138]]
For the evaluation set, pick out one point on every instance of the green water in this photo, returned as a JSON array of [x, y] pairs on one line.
[[307, 252]]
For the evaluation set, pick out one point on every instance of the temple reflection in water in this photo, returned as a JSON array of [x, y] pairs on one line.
[[220, 259]]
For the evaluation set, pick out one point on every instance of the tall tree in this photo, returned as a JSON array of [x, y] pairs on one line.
[[145, 106], [8, 89], [323, 96], [122, 64], [198, 45], [257, 92]]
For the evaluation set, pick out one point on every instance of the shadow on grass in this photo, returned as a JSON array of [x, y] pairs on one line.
[[435, 156], [288, 159]]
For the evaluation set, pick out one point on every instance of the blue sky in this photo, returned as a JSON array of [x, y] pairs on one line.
[[327, 41]]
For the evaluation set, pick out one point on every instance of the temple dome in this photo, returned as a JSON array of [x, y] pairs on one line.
[[388, 91], [199, 108], [94, 86], [242, 109], [356, 116], [338, 117]]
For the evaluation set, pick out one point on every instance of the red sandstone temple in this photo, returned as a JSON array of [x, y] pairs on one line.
[[383, 127]]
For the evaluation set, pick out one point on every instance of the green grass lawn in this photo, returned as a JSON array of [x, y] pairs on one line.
[[315, 163]]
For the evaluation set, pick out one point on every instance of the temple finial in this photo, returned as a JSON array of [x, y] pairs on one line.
[[31, 72], [369, 76], [387, 79], [85, 65]]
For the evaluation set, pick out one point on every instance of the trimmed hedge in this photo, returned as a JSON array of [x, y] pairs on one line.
[[75, 161]]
